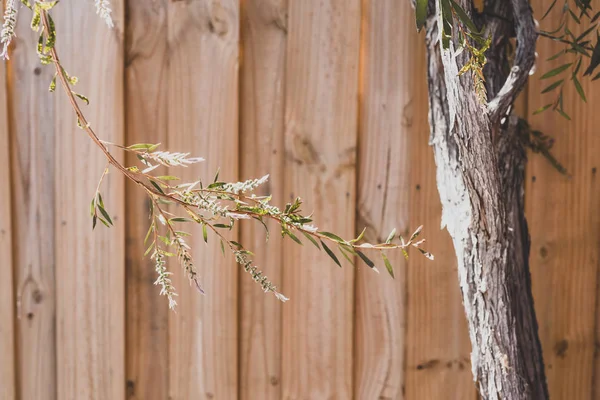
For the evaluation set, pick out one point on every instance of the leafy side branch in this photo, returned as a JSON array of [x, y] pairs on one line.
[[216, 207]]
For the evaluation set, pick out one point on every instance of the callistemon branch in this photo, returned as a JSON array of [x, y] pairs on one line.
[[216, 207]]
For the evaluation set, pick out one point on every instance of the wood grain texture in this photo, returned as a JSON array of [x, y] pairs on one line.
[[565, 229], [146, 74], [437, 340], [320, 144], [386, 113], [32, 147], [90, 268], [263, 40], [7, 301], [203, 107]]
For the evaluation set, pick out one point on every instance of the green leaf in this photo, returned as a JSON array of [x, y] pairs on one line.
[[391, 236], [105, 215], [167, 178], [366, 259], [156, 186], [346, 254], [52, 87], [556, 71], [222, 248], [542, 109], [143, 146], [333, 236], [421, 13], [222, 226], [51, 41], [36, 18], [148, 249], [554, 57], [150, 230], [426, 253], [312, 239], [204, 233], [104, 222], [388, 265], [217, 175], [563, 114], [549, 9], [181, 219], [294, 237], [26, 4], [464, 18], [47, 5], [579, 89], [553, 86], [82, 97], [331, 254], [94, 219], [359, 237]]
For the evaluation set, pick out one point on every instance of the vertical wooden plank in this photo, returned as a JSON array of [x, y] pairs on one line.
[[437, 341], [411, 336], [32, 147], [565, 227], [383, 193], [90, 270], [146, 63], [7, 301], [203, 120], [263, 38], [320, 144]]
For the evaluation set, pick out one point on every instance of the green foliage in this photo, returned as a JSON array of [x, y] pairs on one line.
[[576, 50], [216, 207]]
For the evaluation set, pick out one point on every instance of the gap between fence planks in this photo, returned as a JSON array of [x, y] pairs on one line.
[[146, 73], [564, 224], [263, 40], [320, 145], [7, 334], [203, 39], [90, 270]]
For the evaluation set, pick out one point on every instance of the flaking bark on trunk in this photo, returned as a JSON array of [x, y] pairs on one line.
[[480, 169]]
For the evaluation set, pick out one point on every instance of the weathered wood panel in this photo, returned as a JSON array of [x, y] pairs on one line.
[[437, 341], [383, 195], [320, 144], [146, 74], [7, 301], [203, 39], [32, 147], [263, 39], [90, 268], [565, 228]]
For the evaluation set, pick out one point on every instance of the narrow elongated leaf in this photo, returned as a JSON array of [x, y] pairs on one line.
[[542, 109], [464, 18], [416, 234], [366, 259], [421, 13], [346, 254], [82, 97], [556, 71], [553, 86], [579, 89], [204, 233], [294, 237], [391, 236], [105, 215], [331, 254], [388, 265], [333, 236], [563, 114], [359, 237], [150, 230], [549, 9], [157, 187], [312, 239], [181, 219]]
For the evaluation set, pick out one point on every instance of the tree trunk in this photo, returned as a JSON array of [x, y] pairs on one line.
[[480, 169]]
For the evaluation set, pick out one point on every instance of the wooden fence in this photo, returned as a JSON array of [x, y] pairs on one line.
[[329, 97]]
